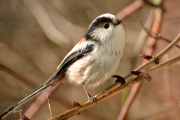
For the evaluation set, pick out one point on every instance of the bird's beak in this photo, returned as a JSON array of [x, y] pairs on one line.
[[118, 22]]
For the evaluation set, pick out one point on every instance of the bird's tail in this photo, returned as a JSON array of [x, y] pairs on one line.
[[24, 100], [57, 75]]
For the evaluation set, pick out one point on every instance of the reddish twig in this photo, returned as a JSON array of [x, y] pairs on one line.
[[35, 106], [49, 105], [66, 115], [43, 96], [156, 36], [149, 51], [130, 9]]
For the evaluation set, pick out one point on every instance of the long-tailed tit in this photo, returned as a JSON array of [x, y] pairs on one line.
[[92, 61]]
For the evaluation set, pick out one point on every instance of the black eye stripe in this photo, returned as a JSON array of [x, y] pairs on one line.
[[103, 20], [99, 22]]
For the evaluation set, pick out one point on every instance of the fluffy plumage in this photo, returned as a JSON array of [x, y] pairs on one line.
[[101, 62], [93, 60]]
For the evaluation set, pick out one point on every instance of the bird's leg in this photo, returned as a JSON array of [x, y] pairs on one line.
[[88, 95], [119, 79]]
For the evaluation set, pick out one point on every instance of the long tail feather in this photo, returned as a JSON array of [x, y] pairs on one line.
[[23, 100]]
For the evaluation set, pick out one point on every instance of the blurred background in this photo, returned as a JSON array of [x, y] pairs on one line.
[[36, 35]]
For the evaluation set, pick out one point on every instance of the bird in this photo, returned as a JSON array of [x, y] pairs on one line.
[[92, 61]]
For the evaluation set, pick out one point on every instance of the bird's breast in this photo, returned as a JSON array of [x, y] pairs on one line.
[[93, 69]]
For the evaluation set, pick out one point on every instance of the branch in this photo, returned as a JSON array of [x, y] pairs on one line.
[[151, 43], [152, 61], [111, 92], [168, 89], [107, 95], [142, 36], [130, 9], [156, 36], [42, 98]]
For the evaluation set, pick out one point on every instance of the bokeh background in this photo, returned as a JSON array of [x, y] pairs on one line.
[[36, 35]]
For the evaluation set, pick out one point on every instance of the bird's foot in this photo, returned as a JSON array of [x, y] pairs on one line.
[[92, 98]]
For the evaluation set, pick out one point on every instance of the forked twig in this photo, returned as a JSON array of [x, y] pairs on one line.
[[156, 35], [149, 51], [111, 93], [121, 15]]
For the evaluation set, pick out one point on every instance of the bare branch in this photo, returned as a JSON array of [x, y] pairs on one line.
[[137, 49], [130, 9], [156, 36], [152, 61], [117, 90], [35, 106]]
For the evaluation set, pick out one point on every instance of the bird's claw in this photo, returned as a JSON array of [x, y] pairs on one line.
[[93, 98]]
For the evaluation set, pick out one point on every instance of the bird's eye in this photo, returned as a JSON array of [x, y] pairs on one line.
[[106, 25]]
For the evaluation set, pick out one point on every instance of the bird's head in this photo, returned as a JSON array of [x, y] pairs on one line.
[[105, 27]]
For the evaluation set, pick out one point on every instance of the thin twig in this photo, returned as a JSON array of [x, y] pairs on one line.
[[149, 51], [130, 9], [168, 89], [49, 105], [152, 61], [121, 15], [135, 88], [40, 101], [156, 35], [142, 36], [107, 95]]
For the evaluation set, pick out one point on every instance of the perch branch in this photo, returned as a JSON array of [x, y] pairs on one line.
[[151, 42], [111, 93], [32, 109], [152, 61]]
